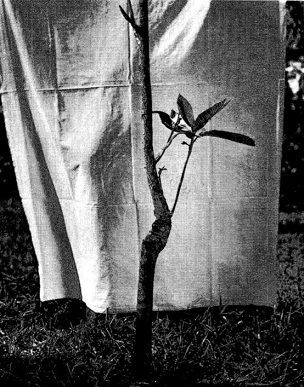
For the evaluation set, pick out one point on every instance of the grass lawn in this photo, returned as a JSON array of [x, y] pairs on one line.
[[219, 346]]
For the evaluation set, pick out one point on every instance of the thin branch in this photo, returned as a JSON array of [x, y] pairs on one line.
[[172, 136], [183, 174]]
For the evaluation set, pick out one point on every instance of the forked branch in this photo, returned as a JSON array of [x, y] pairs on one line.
[[131, 20]]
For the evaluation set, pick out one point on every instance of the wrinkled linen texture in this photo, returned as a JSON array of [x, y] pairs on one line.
[[71, 98]]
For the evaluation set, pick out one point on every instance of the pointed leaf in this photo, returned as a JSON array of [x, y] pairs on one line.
[[185, 110], [206, 116], [166, 120], [236, 137]]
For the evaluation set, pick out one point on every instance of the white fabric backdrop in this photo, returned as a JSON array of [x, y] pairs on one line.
[[70, 94]]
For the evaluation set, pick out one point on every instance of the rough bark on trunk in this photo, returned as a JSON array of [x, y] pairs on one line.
[[152, 245]]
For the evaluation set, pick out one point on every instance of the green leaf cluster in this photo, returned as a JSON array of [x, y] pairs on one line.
[[195, 127]]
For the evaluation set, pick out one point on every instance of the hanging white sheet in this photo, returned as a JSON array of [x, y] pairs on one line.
[[70, 94]]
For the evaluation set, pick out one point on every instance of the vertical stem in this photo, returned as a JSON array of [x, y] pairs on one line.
[[182, 176], [159, 201], [158, 236]]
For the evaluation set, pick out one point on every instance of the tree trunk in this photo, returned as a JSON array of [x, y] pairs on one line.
[[157, 238], [152, 245]]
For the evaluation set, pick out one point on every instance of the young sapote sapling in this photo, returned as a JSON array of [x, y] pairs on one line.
[[181, 123]]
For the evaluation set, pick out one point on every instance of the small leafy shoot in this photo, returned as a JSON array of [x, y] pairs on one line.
[[206, 116], [236, 137], [167, 121], [185, 110]]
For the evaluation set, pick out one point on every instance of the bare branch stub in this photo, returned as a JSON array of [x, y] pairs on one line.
[[161, 170]]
